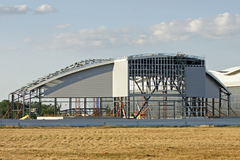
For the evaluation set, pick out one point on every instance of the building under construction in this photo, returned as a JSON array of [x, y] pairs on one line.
[[149, 86]]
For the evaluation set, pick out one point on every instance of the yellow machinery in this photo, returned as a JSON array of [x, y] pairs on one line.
[[25, 117]]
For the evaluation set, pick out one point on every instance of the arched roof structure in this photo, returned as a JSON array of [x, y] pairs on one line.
[[155, 79], [229, 77]]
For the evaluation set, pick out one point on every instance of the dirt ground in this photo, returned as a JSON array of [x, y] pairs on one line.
[[119, 143]]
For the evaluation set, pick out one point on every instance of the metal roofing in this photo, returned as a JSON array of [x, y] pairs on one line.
[[218, 81], [76, 67], [231, 71], [86, 64]]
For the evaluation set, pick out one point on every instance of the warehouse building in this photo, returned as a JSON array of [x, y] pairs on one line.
[[231, 79], [147, 86]]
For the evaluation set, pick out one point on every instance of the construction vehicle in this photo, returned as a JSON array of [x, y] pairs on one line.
[[25, 117]]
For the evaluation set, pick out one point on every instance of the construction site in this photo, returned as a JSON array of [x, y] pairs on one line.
[[147, 86]]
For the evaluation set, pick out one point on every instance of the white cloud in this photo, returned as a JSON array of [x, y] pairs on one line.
[[92, 38], [62, 26], [27, 40], [24, 9], [9, 49], [18, 9], [43, 9], [222, 26]]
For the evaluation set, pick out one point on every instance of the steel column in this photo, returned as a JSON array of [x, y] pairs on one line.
[[206, 108], [23, 113], [174, 115], [55, 106], [100, 107], [220, 101], [128, 107], [30, 94], [85, 106], [70, 106], [12, 106], [213, 102], [40, 102], [228, 109]]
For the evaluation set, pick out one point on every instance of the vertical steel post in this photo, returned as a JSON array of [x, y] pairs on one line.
[[213, 102], [228, 105], [55, 106], [159, 111], [128, 116], [12, 106], [203, 107], [174, 110], [18, 104], [23, 105], [100, 106], [40, 102], [220, 101], [134, 105], [114, 104], [206, 107], [186, 107], [30, 103], [85, 106], [70, 106]]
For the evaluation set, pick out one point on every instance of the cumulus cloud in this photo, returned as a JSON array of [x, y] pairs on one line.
[[27, 40], [9, 49], [62, 26], [222, 26], [92, 38], [24, 9], [18, 9], [43, 9]]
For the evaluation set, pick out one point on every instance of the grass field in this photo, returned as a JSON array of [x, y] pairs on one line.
[[119, 143]]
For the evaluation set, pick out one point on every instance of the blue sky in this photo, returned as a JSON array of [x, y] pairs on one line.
[[40, 37]]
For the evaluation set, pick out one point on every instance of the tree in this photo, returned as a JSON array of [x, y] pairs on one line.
[[4, 106], [46, 109]]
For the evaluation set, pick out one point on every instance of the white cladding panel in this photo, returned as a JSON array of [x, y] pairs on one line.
[[212, 88], [93, 82], [120, 78], [195, 78]]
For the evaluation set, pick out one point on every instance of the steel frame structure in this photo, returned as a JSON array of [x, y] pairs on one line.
[[156, 89]]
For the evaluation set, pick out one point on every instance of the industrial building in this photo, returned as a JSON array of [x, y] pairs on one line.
[[231, 79], [147, 86]]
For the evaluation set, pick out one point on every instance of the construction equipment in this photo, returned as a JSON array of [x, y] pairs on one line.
[[25, 117]]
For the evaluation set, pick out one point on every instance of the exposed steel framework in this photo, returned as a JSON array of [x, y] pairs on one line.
[[156, 90]]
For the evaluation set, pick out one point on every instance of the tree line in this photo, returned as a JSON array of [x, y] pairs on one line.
[[45, 109]]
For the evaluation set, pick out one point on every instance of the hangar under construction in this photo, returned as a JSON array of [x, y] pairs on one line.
[[149, 86]]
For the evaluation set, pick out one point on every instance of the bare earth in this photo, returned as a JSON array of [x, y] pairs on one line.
[[119, 143]]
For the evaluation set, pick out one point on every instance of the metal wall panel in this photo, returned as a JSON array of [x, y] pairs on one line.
[[212, 88], [93, 82], [195, 78], [120, 78]]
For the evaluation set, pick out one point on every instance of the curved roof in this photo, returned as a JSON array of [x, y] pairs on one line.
[[87, 64], [76, 67], [229, 77], [231, 71], [218, 81]]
